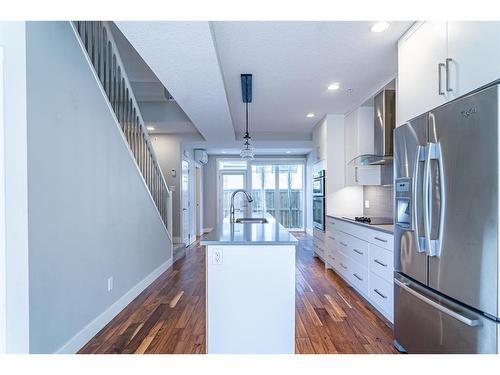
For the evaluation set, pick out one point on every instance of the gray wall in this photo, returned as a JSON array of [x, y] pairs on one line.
[[169, 149], [210, 192], [381, 201], [90, 215]]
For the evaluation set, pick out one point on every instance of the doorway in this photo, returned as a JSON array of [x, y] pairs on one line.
[[198, 201], [186, 204]]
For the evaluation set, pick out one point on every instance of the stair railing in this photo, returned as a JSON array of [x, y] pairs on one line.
[[98, 41]]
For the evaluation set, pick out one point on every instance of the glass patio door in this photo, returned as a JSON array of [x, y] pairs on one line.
[[278, 189], [229, 182]]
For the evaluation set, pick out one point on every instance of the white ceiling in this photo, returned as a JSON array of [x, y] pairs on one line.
[[293, 63], [183, 57]]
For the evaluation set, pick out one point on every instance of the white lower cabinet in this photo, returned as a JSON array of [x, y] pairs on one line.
[[364, 258], [319, 243]]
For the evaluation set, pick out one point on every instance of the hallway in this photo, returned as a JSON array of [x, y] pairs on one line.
[[169, 316]]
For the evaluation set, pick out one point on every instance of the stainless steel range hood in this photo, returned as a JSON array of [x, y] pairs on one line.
[[383, 126]]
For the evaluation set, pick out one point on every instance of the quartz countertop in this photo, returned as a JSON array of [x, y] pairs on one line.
[[383, 228], [271, 233]]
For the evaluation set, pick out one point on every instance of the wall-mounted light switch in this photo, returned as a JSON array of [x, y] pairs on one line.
[[367, 203]]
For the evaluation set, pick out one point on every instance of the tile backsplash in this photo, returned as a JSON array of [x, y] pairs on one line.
[[381, 201]]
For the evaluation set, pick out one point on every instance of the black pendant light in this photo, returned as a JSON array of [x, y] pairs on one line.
[[247, 152]]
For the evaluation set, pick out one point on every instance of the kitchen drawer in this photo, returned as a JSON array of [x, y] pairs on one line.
[[382, 295], [331, 223], [374, 236], [382, 262], [318, 235], [318, 250], [343, 265], [358, 276], [358, 250], [382, 239]]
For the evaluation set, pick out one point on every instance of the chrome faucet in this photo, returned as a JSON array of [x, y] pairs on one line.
[[231, 210]]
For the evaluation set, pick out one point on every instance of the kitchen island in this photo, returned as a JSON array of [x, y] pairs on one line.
[[250, 288]]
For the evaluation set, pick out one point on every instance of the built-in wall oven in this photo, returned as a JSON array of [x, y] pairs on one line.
[[319, 200]]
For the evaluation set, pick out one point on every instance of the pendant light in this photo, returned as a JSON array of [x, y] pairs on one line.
[[247, 152]]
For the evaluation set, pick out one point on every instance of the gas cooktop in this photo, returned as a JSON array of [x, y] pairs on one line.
[[372, 220]]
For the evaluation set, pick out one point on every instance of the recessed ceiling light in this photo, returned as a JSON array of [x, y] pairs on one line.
[[151, 128], [289, 152], [380, 26], [224, 152], [334, 86], [310, 115]]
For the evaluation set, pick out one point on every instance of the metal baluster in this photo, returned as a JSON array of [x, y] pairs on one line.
[[110, 70], [119, 96], [113, 84], [99, 51], [105, 77]]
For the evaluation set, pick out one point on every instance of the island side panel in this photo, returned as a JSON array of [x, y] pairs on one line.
[[250, 299]]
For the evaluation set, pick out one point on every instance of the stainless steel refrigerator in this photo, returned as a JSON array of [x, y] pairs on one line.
[[446, 283]]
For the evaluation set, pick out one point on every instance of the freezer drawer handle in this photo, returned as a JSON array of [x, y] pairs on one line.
[[447, 311], [357, 251], [357, 277], [380, 294], [379, 262], [379, 239]]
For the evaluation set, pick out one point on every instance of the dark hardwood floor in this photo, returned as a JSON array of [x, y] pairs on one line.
[[169, 316]]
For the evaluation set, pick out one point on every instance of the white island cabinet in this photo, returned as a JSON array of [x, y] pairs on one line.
[[250, 289]]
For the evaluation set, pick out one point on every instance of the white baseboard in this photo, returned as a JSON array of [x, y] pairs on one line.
[[91, 329], [309, 232], [206, 230], [177, 240]]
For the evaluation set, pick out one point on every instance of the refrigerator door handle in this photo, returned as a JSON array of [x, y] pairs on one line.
[[427, 177], [407, 287], [416, 204], [433, 152]]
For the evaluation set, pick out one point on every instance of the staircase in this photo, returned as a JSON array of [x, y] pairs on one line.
[[98, 41]]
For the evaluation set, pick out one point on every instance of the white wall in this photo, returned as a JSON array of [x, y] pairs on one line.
[[90, 214], [308, 196], [2, 216], [12, 39], [340, 200]]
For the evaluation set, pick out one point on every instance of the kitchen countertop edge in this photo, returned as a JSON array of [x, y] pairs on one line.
[[370, 226]]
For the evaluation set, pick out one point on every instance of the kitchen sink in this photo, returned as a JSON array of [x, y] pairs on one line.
[[251, 220]]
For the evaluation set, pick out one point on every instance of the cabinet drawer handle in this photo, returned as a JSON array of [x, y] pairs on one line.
[[332, 238], [379, 262], [357, 277], [357, 251], [343, 244], [380, 294], [379, 239], [344, 267]]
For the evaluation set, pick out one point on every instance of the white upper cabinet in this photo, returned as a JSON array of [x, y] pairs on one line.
[[420, 51], [440, 61], [358, 138], [474, 50], [319, 141]]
